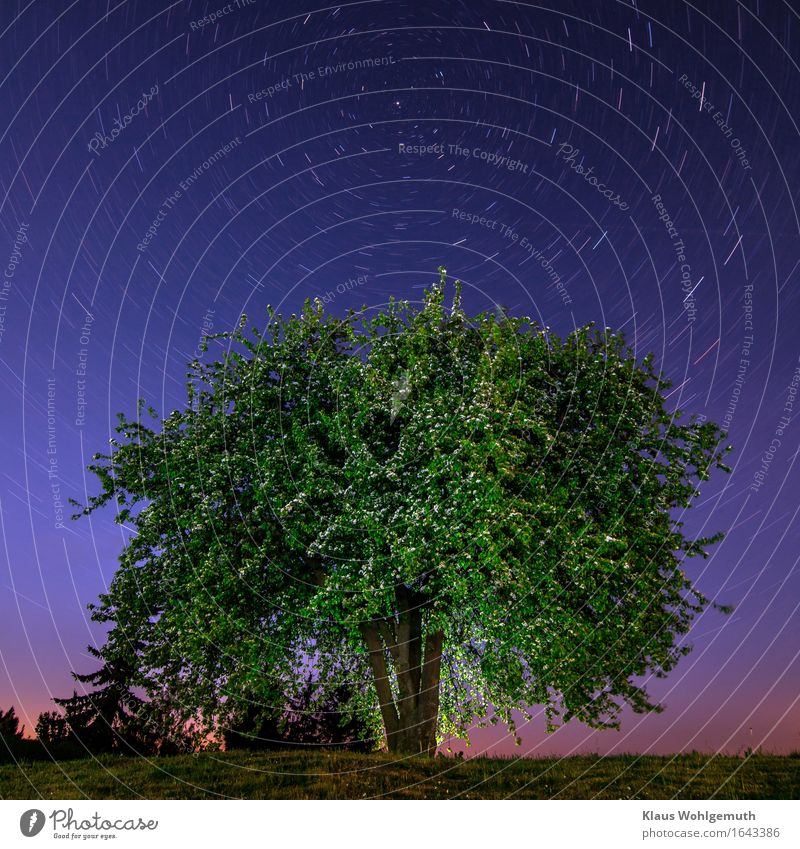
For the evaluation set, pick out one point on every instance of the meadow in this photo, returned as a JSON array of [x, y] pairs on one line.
[[345, 775]]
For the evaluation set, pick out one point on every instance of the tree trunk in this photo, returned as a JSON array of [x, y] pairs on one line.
[[380, 676], [431, 676], [410, 721]]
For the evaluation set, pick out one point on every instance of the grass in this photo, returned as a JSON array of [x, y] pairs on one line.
[[345, 775]]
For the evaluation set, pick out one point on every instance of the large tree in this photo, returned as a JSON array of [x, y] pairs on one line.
[[471, 514]]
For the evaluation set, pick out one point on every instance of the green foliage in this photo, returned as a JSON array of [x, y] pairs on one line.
[[527, 489]]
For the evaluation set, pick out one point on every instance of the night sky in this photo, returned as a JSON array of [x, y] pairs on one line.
[[166, 168]]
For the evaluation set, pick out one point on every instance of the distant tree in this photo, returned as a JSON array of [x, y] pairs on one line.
[[317, 717], [469, 515], [162, 729], [55, 738], [254, 726], [13, 744], [9, 726], [112, 718], [103, 720], [52, 728], [312, 718]]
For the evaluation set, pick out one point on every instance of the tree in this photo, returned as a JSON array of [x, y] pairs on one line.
[[104, 720], [313, 718], [52, 728], [9, 726], [55, 738], [11, 735], [471, 514], [255, 727], [161, 728]]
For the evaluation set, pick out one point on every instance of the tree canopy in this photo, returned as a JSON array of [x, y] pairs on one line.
[[459, 516]]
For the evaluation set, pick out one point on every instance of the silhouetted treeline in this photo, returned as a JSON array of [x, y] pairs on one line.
[[13, 745], [305, 721], [112, 719]]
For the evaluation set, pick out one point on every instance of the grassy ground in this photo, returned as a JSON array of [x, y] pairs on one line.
[[343, 775]]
